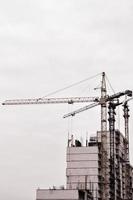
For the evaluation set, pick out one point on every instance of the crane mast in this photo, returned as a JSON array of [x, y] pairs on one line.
[[127, 163], [126, 121], [103, 148], [103, 105]]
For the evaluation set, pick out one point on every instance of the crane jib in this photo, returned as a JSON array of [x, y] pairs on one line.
[[69, 100]]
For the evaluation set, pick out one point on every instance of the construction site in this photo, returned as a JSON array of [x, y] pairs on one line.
[[100, 169]]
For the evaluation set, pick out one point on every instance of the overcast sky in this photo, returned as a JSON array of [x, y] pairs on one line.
[[46, 45]]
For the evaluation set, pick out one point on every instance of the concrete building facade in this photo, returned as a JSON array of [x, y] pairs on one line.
[[82, 168], [65, 194]]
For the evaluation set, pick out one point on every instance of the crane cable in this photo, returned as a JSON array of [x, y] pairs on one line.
[[109, 83], [70, 121], [72, 85]]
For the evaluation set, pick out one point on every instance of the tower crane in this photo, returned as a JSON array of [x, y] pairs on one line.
[[128, 193], [126, 119], [102, 101]]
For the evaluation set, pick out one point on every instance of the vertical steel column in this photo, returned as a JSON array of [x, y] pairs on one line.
[[128, 190], [103, 148], [103, 105], [111, 119], [126, 119]]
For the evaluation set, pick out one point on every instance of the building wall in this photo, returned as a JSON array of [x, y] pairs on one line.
[[82, 168], [60, 194], [57, 194]]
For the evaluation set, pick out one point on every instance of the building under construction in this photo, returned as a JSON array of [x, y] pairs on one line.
[[99, 170], [84, 180]]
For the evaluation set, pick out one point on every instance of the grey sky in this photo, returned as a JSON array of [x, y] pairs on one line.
[[46, 45]]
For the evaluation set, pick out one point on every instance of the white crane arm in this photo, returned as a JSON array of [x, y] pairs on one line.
[[81, 110], [69, 100]]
